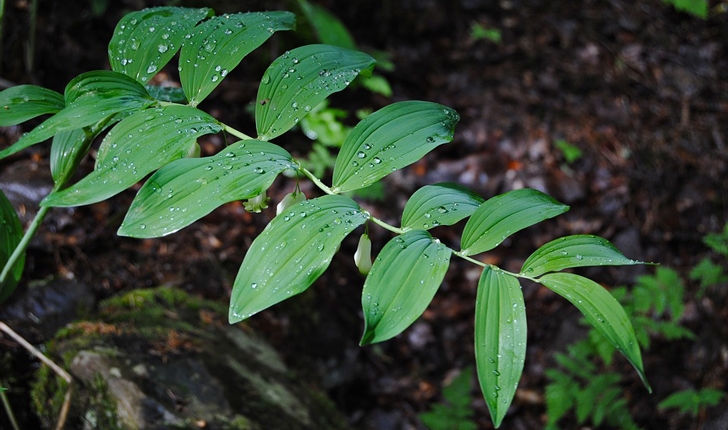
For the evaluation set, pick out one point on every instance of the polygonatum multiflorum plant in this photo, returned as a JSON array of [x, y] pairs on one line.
[[154, 130]]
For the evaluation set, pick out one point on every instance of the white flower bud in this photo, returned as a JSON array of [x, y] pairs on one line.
[[289, 200], [257, 203], [363, 254], [194, 151]]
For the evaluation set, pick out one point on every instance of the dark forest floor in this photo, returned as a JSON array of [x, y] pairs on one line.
[[639, 88]]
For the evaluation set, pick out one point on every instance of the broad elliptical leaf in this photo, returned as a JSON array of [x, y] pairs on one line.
[[292, 252], [219, 44], [401, 284], [299, 80], [500, 339]]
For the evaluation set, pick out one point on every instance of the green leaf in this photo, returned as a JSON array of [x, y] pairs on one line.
[[402, 282], [602, 311], [145, 41], [390, 139], [185, 190], [90, 98], [329, 29], [219, 44], [439, 204], [67, 151], [292, 252], [11, 232], [503, 215], [456, 411], [691, 400], [574, 251], [500, 339], [23, 102], [299, 80], [167, 94], [135, 147], [698, 8]]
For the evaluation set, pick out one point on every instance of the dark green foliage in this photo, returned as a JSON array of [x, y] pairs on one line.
[[456, 411]]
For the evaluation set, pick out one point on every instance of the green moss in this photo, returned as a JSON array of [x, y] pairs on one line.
[[47, 395], [240, 422]]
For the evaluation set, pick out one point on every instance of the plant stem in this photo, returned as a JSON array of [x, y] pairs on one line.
[[236, 133], [30, 53], [9, 411], [325, 188], [386, 226], [23, 244]]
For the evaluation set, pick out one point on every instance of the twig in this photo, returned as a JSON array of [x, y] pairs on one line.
[[48, 362], [9, 410]]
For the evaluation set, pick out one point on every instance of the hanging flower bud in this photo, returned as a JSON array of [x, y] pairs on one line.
[[363, 254], [289, 200], [257, 203], [194, 151]]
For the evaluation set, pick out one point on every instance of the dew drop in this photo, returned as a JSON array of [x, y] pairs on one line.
[[254, 285]]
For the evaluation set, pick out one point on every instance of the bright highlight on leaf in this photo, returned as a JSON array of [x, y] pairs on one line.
[[90, 98], [403, 279], [23, 102], [500, 339], [292, 252], [574, 251], [299, 80], [185, 190], [145, 41], [390, 139], [218, 45], [503, 215], [439, 204], [602, 311]]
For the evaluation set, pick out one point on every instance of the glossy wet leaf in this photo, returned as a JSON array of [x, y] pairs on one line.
[[500, 339], [185, 190], [439, 204], [90, 98], [505, 214], [23, 102], [602, 311], [390, 139], [135, 147], [401, 284], [11, 232], [145, 41], [167, 94], [218, 45], [574, 251], [299, 80], [292, 252], [67, 150]]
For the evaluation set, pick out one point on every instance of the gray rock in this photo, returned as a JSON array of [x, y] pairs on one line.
[[156, 359]]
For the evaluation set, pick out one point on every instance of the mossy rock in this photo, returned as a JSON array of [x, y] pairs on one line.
[[159, 359]]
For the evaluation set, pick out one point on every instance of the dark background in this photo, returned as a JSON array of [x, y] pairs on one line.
[[640, 89]]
